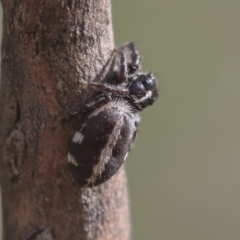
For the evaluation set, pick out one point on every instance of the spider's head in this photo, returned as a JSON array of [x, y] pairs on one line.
[[143, 91]]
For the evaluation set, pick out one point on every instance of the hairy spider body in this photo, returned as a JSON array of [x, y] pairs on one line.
[[101, 146]]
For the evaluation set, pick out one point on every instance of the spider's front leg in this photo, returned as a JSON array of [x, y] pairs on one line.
[[129, 62], [123, 70], [134, 64], [118, 90], [97, 103]]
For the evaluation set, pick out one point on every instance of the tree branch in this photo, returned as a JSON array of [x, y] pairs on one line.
[[48, 46]]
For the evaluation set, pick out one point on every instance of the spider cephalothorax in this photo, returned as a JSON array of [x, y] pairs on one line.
[[142, 91], [99, 149]]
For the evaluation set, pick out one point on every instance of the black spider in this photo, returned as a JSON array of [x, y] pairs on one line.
[[100, 147]]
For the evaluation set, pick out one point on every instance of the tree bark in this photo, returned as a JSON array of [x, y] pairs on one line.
[[48, 46]]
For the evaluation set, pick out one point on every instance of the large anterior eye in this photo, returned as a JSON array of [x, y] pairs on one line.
[[137, 88], [149, 82]]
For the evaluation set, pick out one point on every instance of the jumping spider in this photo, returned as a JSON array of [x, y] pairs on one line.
[[100, 147]]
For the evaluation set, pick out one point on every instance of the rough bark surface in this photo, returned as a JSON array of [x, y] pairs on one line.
[[47, 47]]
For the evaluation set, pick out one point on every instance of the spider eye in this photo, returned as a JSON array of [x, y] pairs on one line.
[[150, 82], [137, 88]]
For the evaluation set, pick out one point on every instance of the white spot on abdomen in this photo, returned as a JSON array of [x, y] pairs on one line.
[[72, 160], [77, 138]]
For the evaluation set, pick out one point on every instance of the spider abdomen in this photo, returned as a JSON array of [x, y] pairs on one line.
[[99, 149]]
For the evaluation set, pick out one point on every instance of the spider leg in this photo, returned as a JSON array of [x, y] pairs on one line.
[[123, 71], [109, 72], [134, 64], [97, 103], [123, 61], [107, 69], [109, 88]]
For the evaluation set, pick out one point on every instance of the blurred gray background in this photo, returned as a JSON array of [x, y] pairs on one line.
[[183, 173]]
